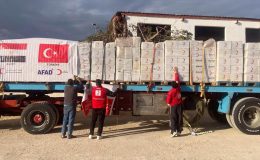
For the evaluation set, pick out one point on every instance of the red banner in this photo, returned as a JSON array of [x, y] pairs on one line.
[[16, 46], [53, 53]]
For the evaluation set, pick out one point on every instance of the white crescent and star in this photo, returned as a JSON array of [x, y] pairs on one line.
[[45, 53]]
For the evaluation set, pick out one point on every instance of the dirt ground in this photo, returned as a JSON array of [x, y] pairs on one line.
[[128, 137]]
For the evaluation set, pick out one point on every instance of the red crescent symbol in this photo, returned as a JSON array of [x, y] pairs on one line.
[[59, 71], [1, 70]]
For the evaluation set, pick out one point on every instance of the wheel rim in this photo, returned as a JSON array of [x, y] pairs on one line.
[[251, 116], [37, 118]]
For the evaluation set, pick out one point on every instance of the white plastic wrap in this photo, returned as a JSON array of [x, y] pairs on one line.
[[38, 60]]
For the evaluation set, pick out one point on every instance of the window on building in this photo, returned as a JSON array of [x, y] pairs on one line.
[[252, 35], [150, 30], [204, 33]]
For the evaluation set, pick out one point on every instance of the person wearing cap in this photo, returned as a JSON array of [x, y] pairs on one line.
[[99, 97], [174, 101], [69, 109]]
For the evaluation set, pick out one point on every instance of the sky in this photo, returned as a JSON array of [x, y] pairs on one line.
[[74, 19]]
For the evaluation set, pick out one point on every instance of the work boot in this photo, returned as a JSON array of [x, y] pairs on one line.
[[70, 136], [174, 134], [90, 136], [63, 136]]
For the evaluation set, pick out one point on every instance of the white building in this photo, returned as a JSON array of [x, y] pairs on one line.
[[202, 27]]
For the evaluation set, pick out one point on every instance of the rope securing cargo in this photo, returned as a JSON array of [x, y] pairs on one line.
[[151, 84]]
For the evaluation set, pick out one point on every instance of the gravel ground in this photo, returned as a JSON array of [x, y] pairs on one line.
[[128, 137]]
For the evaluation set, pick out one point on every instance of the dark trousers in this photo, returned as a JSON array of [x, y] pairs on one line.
[[97, 114], [176, 118], [69, 113]]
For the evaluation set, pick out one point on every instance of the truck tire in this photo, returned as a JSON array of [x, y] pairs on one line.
[[38, 118], [232, 116], [214, 114], [246, 115], [228, 117], [55, 109]]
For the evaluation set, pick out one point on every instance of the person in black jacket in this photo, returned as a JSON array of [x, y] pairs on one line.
[[69, 110]]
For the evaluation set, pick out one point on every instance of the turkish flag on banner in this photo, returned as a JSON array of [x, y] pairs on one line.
[[53, 53], [16, 46]]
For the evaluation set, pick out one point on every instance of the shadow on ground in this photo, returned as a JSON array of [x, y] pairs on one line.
[[113, 124]]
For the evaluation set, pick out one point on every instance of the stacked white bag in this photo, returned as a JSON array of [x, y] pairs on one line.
[[236, 62], [110, 62], [252, 63], [147, 49], [158, 66], [177, 55], [84, 49], [127, 55], [97, 58], [196, 49], [224, 51], [136, 59]]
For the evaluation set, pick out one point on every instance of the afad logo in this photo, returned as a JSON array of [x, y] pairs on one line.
[[49, 72]]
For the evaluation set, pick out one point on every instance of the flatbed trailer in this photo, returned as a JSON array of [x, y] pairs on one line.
[[238, 105]]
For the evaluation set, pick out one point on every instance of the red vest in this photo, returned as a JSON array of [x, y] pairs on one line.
[[99, 97], [174, 97]]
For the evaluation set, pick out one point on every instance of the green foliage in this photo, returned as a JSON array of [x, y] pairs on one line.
[[181, 35], [154, 33]]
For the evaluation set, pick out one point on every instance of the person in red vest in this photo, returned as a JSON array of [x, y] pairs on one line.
[[99, 96], [174, 101]]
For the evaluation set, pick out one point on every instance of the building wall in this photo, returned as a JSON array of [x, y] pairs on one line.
[[233, 31]]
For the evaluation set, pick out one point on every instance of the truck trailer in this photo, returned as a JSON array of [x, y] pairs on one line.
[[235, 103]]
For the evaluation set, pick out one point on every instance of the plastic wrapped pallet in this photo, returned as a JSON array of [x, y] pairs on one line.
[[38, 60], [147, 49], [97, 58], [236, 61], [224, 51], [229, 60], [128, 59], [84, 49], [177, 55], [110, 62], [209, 70], [252, 63]]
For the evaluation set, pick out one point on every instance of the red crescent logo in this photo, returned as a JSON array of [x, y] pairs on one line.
[[59, 71]]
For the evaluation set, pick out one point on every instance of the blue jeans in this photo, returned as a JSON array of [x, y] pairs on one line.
[[69, 113]]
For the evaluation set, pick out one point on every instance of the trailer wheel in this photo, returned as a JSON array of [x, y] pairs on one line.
[[246, 115], [38, 118], [214, 114], [55, 109], [228, 117]]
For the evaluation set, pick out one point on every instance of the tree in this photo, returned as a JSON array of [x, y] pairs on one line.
[[160, 33], [148, 33]]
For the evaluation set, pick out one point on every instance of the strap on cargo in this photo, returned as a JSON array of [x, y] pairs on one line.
[[150, 85], [2, 89], [202, 84]]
